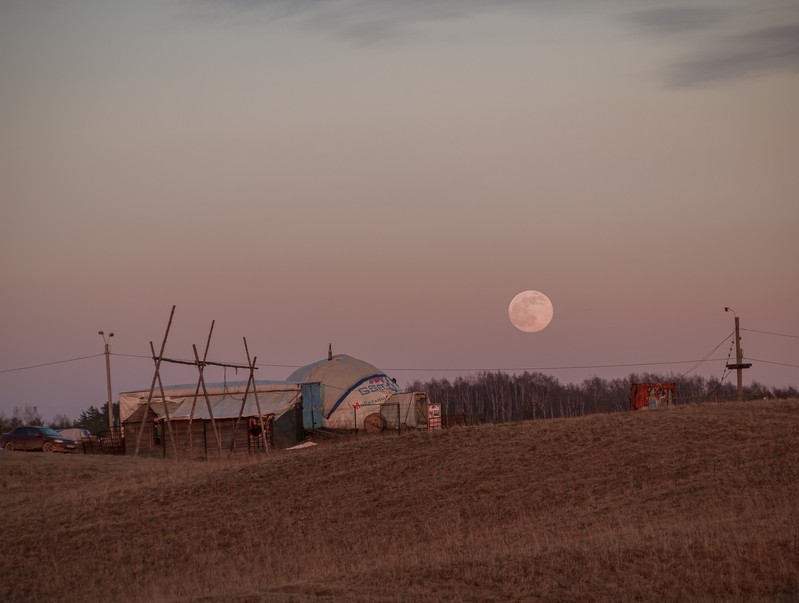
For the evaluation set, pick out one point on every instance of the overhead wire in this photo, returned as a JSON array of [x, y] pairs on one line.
[[417, 369], [695, 363], [554, 368], [194, 362], [727, 371], [707, 356], [33, 366], [772, 362], [770, 333], [476, 369]]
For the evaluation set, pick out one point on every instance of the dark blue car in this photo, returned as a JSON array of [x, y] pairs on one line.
[[32, 437]]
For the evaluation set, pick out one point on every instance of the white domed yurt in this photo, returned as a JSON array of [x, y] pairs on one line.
[[350, 390]]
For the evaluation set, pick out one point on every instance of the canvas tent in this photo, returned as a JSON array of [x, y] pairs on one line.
[[351, 389], [187, 420], [129, 402], [339, 392]]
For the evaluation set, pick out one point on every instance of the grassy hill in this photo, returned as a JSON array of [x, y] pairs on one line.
[[690, 503]]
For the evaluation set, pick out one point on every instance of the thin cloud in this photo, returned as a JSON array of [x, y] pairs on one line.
[[709, 58], [367, 20], [676, 19], [375, 21], [767, 50]]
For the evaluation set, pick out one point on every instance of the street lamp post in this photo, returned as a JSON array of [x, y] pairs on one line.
[[108, 378]]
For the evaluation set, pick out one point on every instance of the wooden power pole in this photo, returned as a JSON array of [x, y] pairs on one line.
[[739, 365], [107, 352]]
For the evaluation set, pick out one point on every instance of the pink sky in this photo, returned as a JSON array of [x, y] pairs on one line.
[[386, 176]]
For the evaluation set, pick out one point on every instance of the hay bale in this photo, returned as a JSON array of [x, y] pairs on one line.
[[374, 423]]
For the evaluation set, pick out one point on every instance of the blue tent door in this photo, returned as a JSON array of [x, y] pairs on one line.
[[312, 405]]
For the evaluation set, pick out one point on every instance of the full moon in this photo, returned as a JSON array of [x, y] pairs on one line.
[[530, 311]]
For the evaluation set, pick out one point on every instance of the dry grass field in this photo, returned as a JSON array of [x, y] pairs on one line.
[[689, 503]]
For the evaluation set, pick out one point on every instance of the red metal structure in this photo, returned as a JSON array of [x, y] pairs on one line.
[[651, 395]]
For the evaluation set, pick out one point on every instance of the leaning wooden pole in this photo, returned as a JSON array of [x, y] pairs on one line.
[[208, 405], [155, 378], [166, 411], [200, 368], [217, 436], [255, 393], [243, 403]]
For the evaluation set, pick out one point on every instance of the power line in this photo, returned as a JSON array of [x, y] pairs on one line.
[[555, 368], [195, 362], [25, 368], [726, 372], [707, 356], [772, 362], [771, 333], [477, 369], [696, 364]]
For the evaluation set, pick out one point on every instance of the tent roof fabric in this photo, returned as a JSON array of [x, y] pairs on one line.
[[340, 371], [234, 387], [339, 376], [130, 401], [271, 403], [157, 408]]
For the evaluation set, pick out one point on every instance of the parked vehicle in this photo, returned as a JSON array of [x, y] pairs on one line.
[[34, 437], [79, 434]]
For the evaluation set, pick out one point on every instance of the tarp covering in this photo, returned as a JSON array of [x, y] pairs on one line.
[[272, 392], [271, 403], [410, 407], [157, 408], [350, 388]]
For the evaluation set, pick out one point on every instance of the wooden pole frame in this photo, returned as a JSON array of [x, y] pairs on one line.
[[217, 436], [255, 393], [250, 379], [166, 410], [155, 377], [201, 384], [200, 368], [159, 358]]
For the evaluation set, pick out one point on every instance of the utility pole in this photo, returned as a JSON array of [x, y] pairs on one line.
[[739, 365], [108, 378]]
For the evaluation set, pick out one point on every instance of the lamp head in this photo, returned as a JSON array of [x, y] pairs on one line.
[[110, 334], [100, 333]]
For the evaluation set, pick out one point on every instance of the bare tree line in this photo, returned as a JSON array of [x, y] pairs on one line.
[[497, 397]]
